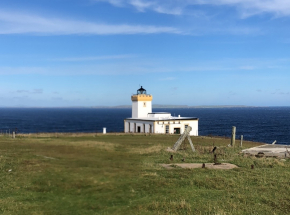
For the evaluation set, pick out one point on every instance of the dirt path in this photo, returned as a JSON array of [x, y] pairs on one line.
[[199, 165]]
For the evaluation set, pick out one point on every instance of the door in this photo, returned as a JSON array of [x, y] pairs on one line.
[[139, 129], [176, 130]]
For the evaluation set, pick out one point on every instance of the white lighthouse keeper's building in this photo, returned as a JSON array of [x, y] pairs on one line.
[[144, 121]]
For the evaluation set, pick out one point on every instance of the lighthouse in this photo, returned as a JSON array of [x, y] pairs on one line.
[[141, 104], [143, 120]]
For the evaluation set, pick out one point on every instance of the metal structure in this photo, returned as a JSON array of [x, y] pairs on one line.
[[182, 138], [141, 91]]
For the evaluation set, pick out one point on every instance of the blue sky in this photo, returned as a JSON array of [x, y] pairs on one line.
[[56, 53]]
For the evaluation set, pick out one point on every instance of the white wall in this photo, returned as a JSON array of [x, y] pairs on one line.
[[138, 109], [160, 127], [135, 124], [194, 125], [161, 115], [134, 109]]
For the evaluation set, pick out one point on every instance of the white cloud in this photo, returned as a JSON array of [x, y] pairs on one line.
[[150, 66], [27, 23], [21, 70], [253, 7], [35, 91], [22, 91], [117, 3], [93, 58], [141, 5], [176, 7], [279, 92], [22, 23], [171, 11]]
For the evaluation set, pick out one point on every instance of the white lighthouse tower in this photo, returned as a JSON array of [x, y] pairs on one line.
[[141, 104]]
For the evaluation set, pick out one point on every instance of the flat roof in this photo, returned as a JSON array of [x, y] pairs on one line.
[[164, 119], [160, 113]]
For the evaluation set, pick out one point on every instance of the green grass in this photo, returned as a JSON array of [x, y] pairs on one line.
[[120, 174]]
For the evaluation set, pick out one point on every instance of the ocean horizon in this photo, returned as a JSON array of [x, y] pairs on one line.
[[157, 106], [261, 124]]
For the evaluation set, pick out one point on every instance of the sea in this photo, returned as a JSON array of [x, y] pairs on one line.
[[261, 124]]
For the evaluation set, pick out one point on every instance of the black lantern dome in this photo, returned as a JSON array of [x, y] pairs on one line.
[[141, 91]]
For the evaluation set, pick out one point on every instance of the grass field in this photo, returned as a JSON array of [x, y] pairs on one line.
[[120, 174]]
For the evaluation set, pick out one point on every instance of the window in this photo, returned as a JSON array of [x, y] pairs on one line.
[[176, 130], [167, 129], [185, 127], [144, 104]]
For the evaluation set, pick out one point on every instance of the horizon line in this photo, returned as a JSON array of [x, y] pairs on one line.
[[153, 106]]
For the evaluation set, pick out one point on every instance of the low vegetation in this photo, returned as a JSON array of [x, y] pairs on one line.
[[121, 174]]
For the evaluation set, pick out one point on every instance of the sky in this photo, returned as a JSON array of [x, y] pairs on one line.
[[63, 53]]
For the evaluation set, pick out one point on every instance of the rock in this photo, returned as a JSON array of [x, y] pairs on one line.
[[169, 149], [260, 154]]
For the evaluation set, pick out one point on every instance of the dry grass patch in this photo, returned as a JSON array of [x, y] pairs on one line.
[[170, 207], [57, 134], [147, 150], [150, 174], [91, 143]]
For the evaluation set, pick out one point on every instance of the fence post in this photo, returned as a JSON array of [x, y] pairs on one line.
[[233, 140], [242, 137]]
